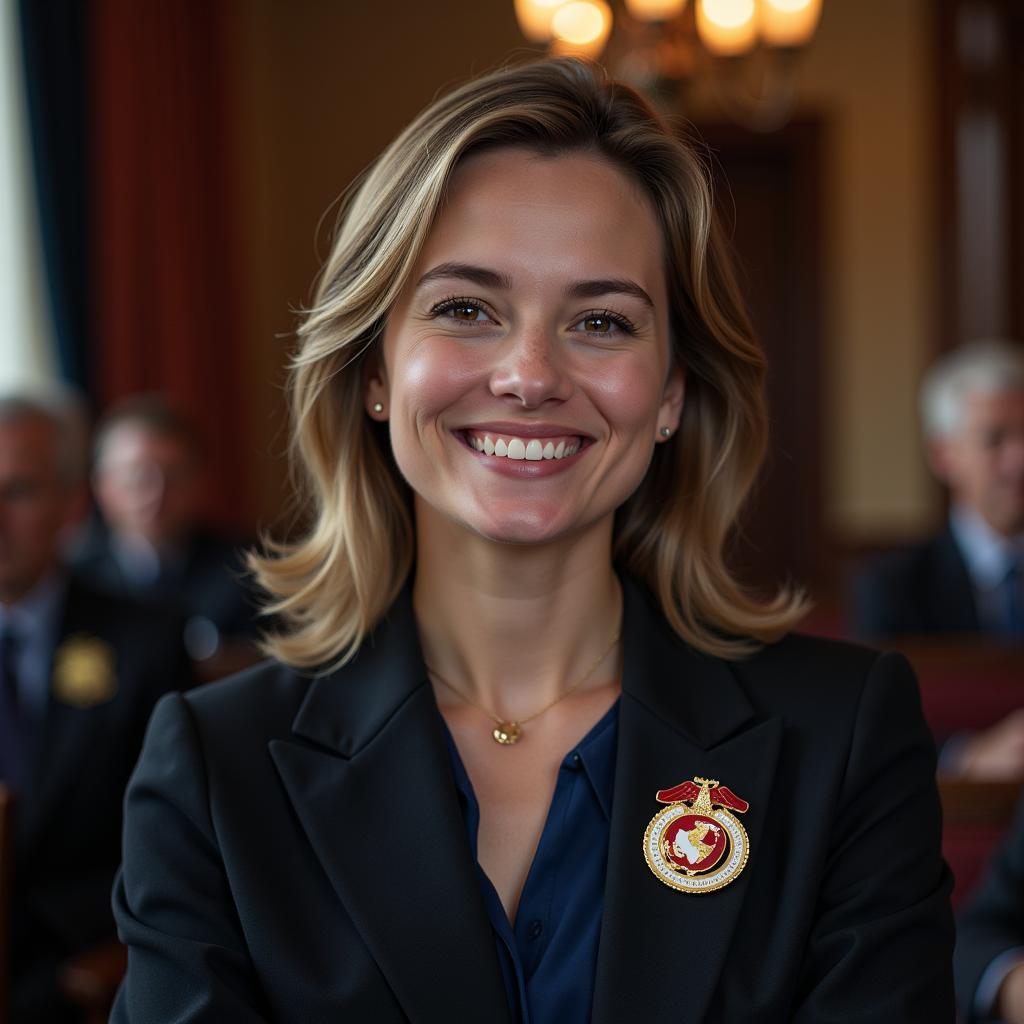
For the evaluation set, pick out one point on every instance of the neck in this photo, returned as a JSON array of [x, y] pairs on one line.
[[513, 627]]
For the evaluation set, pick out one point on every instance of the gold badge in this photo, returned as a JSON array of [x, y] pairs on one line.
[[84, 671], [695, 844]]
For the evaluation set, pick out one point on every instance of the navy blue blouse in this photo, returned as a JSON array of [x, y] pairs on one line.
[[548, 958]]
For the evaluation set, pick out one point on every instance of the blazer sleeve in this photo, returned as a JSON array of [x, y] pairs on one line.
[[187, 958], [993, 921], [883, 930]]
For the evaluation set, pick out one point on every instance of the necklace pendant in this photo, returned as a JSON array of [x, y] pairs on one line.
[[507, 733]]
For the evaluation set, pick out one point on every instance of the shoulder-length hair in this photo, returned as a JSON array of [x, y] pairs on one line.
[[333, 585]]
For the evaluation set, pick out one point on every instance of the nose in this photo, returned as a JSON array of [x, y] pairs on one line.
[[531, 368], [148, 483]]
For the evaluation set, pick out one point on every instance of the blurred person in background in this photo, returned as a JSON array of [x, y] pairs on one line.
[[148, 484], [969, 579], [79, 674]]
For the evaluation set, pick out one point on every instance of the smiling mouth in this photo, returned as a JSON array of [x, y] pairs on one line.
[[528, 449]]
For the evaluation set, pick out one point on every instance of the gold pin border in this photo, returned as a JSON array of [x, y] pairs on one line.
[[718, 814]]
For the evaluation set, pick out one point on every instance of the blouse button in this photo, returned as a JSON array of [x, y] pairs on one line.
[[535, 930]]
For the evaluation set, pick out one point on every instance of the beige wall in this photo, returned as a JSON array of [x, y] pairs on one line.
[[870, 68], [322, 86]]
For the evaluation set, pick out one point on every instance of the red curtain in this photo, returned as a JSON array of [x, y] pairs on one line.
[[166, 239]]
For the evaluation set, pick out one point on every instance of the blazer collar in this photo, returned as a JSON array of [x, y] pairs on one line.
[[346, 708], [694, 693]]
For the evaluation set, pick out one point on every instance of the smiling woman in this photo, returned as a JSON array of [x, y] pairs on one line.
[[528, 406]]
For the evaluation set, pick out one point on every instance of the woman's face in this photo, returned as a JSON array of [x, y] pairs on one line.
[[525, 371]]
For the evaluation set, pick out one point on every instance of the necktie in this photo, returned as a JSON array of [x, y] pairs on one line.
[[12, 720], [1013, 603]]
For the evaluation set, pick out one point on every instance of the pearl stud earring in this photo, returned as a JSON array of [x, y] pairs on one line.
[[666, 431], [378, 407]]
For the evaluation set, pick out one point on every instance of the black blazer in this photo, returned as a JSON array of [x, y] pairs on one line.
[[993, 921], [917, 591], [68, 831], [268, 873]]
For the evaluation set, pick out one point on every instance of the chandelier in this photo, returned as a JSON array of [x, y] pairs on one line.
[[746, 50]]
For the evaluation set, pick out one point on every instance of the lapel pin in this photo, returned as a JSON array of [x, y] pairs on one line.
[[84, 671], [695, 844]]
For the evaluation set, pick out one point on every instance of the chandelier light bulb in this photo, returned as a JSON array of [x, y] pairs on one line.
[[534, 17], [581, 27], [789, 22], [727, 27], [655, 10]]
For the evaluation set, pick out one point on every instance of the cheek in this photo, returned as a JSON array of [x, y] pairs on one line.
[[429, 379], [631, 397]]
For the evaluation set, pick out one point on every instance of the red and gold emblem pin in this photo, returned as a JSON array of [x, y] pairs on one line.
[[695, 844]]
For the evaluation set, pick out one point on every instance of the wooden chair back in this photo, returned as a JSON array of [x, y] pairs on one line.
[[965, 683]]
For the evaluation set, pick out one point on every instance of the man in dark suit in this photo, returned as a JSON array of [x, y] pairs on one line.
[[970, 578], [147, 480], [79, 674]]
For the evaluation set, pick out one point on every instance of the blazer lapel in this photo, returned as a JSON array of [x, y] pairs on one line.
[[370, 778], [682, 714], [951, 592], [66, 739]]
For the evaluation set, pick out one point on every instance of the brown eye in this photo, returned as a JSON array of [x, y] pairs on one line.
[[597, 324], [466, 312]]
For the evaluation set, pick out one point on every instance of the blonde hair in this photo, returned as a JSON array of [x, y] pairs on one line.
[[333, 585]]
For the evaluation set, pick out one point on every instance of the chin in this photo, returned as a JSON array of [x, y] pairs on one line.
[[518, 531]]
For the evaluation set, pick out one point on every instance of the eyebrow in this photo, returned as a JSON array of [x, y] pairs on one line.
[[577, 290]]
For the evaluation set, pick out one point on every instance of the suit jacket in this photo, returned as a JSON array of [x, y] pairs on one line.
[[268, 871], [992, 923], [920, 590], [209, 582], [114, 661]]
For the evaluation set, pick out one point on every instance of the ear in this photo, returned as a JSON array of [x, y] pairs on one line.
[[375, 385], [671, 407]]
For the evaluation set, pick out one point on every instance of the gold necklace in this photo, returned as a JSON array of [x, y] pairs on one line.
[[508, 731]]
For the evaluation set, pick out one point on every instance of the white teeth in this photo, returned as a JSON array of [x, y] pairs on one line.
[[519, 450]]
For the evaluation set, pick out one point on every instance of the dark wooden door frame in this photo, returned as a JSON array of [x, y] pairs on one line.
[[978, 75], [798, 419]]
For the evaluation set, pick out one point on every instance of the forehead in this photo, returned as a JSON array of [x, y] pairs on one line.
[[132, 440], [994, 406], [574, 215]]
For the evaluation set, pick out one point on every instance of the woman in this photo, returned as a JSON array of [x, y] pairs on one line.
[[527, 751]]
